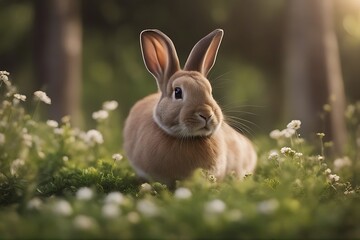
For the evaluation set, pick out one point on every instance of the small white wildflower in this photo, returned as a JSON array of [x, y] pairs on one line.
[[215, 206], [147, 208], [59, 131], [84, 222], [294, 124], [298, 154], [28, 139], [268, 206], [334, 177], [117, 157], [100, 115], [298, 183], [276, 134], [273, 155], [94, 137], [35, 204], [110, 105], [287, 151], [320, 158], [145, 187], [328, 171], [320, 135], [40, 95], [340, 163], [2, 139], [20, 97], [52, 123], [114, 198], [182, 193], [16, 165], [4, 77], [65, 158], [347, 192], [84, 193], [110, 210], [288, 132], [41, 154], [66, 119], [62, 207]]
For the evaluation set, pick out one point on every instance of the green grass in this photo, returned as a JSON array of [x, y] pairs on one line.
[[62, 182]]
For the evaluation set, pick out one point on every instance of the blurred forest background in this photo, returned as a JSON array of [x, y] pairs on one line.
[[277, 59]]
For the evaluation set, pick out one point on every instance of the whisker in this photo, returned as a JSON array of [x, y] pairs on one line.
[[240, 127], [243, 120]]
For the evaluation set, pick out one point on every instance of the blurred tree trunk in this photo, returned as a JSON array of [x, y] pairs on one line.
[[58, 44], [312, 71]]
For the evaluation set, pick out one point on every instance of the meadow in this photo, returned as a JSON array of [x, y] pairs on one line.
[[59, 181]]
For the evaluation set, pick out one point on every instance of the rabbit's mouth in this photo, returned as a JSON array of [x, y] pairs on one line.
[[205, 131]]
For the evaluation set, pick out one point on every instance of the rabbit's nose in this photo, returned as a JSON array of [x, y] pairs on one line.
[[205, 116]]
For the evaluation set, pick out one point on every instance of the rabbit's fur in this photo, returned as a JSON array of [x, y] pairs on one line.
[[180, 128]]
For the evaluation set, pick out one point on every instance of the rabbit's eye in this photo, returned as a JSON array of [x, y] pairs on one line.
[[178, 93]]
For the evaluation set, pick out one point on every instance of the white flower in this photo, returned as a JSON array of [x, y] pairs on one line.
[[268, 206], [273, 155], [328, 171], [52, 123], [215, 206], [84, 222], [287, 151], [62, 207], [147, 208], [145, 187], [320, 158], [35, 204], [110, 210], [114, 198], [42, 97], [117, 157], [84, 193], [93, 137], [15, 166], [275, 134], [288, 132], [294, 124], [20, 97], [334, 177], [2, 139], [349, 192], [110, 105], [100, 115], [182, 193], [320, 135], [4, 77], [340, 163], [59, 131], [28, 139], [298, 154]]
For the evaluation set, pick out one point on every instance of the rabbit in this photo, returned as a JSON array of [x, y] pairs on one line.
[[171, 133]]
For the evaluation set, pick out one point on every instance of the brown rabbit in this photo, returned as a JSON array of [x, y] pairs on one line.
[[180, 128]]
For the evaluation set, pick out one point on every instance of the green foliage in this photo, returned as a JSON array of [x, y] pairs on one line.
[[57, 181]]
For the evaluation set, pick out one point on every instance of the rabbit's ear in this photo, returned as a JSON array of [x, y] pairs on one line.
[[159, 55], [202, 56]]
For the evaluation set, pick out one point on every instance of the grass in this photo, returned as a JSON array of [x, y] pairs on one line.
[[57, 181]]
